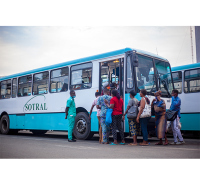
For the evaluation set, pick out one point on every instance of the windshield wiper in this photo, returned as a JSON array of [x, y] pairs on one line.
[[165, 86]]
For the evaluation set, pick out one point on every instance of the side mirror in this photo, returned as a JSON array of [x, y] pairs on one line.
[[135, 59]]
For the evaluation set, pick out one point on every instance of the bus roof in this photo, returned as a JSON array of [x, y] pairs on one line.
[[185, 67], [86, 59]]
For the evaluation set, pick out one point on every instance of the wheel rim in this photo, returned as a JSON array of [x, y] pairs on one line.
[[4, 125], [81, 126]]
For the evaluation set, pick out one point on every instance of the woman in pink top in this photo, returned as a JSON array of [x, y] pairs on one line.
[[97, 94]]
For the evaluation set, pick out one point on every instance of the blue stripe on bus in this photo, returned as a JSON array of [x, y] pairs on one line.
[[53, 121], [186, 67], [86, 59], [190, 122]]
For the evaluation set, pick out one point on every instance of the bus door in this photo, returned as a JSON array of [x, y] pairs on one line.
[[130, 62], [111, 73]]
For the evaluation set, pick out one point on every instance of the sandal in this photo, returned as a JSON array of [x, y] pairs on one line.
[[158, 144], [122, 143], [132, 144], [143, 144], [104, 143], [166, 144], [113, 144]]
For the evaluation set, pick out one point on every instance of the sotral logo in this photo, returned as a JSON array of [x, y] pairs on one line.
[[35, 106]]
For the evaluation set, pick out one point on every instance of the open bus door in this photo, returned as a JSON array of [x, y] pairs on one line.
[[111, 72], [130, 62]]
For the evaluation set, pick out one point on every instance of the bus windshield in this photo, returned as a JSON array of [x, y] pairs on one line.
[[164, 77], [145, 76]]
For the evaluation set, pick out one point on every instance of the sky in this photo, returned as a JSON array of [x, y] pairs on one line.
[[24, 48], [38, 33]]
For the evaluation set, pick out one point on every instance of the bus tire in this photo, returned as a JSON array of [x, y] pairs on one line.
[[38, 132], [82, 127], [4, 124]]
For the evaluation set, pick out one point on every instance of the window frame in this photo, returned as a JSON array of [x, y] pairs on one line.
[[182, 87], [77, 70], [58, 77], [189, 80], [16, 87], [154, 68], [6, 88], [133, 75], [18, 84], [33, 81], [166, 61]]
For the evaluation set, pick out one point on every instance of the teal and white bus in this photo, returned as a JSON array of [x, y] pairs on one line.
[[35, 100], [187, 81]]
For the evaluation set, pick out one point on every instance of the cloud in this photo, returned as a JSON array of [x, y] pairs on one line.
[[26, 48]]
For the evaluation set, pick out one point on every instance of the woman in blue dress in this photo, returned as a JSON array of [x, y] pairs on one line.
[[160, 117]]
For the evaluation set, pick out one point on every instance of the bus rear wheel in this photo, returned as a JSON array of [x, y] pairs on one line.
[[82, 127], [4, 124]]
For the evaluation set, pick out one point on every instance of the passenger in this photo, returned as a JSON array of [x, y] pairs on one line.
[[175, 106], [134, 126], [105, 86], [160, 117], [143, 121], [70, 112], [112, 86], [101, 104], [116, 103], [97, 95]]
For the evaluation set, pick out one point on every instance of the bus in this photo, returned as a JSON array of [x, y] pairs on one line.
[[35, 100], [186, 80]]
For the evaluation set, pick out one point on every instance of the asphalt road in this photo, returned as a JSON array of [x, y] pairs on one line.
[[52, 145]]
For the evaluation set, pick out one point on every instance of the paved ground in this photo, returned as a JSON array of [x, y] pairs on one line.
[[55, 145]]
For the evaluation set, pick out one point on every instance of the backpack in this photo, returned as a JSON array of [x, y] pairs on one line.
[[133, 111]]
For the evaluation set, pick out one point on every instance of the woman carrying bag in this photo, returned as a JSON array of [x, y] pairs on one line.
[[116, 103], [132, 110], [160, 117], [144, 115]]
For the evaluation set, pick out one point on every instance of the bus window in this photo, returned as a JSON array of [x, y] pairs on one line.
[[5, 87], [129, 77], [40, 83], [81, 76], [177, 78], [59, 80], [164, 77], [14, 87], [24, 86], [192, 81], [145, 74]]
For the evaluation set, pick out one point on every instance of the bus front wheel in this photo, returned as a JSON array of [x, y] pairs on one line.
[[82, 127], [4, 124]]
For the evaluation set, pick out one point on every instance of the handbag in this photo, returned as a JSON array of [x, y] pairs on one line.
[[171, 115], [179, 123], [132, 112], [169, 127], [146, 111], [108, 116]]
